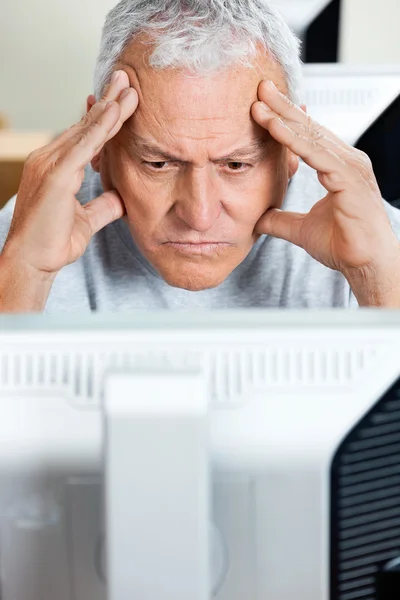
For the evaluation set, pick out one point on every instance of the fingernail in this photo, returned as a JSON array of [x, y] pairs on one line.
[[272, 85], [115, 76]]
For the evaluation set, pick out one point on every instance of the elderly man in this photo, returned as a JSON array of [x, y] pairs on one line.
[[196, 196]]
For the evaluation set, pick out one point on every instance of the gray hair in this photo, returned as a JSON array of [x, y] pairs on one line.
[[200, 36]]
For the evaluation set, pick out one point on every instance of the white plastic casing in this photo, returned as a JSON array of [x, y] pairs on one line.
[[283, 391]]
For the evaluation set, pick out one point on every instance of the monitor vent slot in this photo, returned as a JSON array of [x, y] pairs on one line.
[[365, 499], [232, 373], [341, 98]]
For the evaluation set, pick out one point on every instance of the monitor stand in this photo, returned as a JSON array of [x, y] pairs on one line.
[[157, 485]]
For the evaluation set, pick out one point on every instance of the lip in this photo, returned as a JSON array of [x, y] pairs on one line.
[[202, 248]]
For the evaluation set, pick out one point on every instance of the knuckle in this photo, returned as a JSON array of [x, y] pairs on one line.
[[57, 162], [309, 122], [317, 128], [364, 159], [359, 161], [316, 135], [34, 157], [37, 164], [298, 135], [316, 147], [82, 139], [288, 102], [86, 120]]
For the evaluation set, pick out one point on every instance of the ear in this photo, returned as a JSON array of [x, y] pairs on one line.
[[91, 101], [95, 162], [293, 164]]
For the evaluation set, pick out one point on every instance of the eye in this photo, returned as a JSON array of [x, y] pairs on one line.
[[236, 166], [158, 166]]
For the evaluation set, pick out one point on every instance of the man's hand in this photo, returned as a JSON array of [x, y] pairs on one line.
[[348, 230], [50, 229]]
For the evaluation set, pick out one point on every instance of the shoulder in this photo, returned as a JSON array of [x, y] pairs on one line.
[[6, 214], [304, 190], [394, 217]]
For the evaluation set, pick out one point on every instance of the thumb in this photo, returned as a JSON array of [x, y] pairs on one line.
[[281, 224], [104, 210]]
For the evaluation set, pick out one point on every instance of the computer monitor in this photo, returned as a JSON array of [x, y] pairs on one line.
[[236, 455], [321, 39], [316, 22], [361, 104], [300, 13]]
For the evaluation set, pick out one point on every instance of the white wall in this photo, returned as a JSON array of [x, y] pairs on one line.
[[47, 53], [48, 48], [370, 32]]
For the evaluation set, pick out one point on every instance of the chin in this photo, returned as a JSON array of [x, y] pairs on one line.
[[194, 277], [196, 273]]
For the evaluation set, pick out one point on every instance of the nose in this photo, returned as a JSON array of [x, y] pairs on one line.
[[197, 201]]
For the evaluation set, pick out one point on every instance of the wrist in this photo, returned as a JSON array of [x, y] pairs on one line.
[[22, 287], [377, 285]]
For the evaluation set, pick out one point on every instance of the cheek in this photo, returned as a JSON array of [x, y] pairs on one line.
[[148, 201], [145, 199], [266, 187]]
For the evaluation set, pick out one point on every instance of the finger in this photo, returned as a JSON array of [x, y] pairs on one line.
[[90, 142], [118, 83], [127, 99], [262, 114], [104, 210], [93, 139], [281, 224], [337, 173], [282, 106], [128, 102]]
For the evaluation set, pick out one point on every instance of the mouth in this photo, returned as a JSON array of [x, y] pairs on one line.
[[202, 248]]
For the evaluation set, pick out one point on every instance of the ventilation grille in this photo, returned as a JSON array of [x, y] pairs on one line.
[[231, 374], [365, 516], [341, 98]]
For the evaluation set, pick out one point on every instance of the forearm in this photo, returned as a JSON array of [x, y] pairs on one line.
[[21, 290], [376, 287]]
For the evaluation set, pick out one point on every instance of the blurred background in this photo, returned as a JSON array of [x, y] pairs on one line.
[[48, 49]]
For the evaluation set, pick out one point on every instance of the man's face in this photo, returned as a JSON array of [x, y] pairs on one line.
[[194, 170]]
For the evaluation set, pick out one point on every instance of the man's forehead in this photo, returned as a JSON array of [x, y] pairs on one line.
[[236, 82], [178, 107], [178, 97]]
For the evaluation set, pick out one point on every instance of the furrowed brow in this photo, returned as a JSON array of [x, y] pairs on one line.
[[144, 147], [255, 149]]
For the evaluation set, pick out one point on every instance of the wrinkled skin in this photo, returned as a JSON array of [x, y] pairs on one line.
[[205, 194]]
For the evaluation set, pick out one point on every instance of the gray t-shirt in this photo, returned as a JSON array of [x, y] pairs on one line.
[[114, 276]]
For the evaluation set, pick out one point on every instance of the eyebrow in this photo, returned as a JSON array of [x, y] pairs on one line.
[[255, 149]]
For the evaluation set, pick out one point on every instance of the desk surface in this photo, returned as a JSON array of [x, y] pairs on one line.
[[16, 145]]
